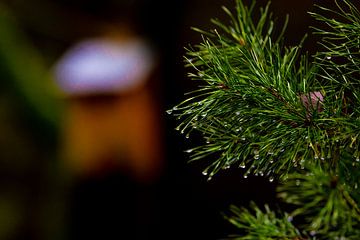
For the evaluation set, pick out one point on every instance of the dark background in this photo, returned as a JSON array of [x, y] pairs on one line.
[[38, 201]]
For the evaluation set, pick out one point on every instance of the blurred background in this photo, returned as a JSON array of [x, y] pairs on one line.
[[87, 150]]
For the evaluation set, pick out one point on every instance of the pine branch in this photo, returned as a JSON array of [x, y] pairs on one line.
[[260, 98], [262, 225], [251, 82], [280, 114], [323, 201], [340, 58]]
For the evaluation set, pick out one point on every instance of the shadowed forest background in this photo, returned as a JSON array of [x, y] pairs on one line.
[[39, 197]]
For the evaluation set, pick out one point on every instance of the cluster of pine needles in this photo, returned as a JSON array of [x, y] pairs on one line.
[[282, 114]]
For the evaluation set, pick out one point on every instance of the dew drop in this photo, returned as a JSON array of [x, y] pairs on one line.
[[328, 57], [270, 153], [243, 165], [245, 176], [271, 161], [243, 139], [271, 179], [205, 173], [297, 182], [177, 128], [169, 112], [187, 136], [256, 157], [207, 141], [189, 150], [237, 113], [357, 159], [227, 166], [282, 150], [356, 186], [261, 173]]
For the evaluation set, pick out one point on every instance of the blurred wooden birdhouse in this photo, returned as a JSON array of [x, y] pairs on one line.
[[111, 122]]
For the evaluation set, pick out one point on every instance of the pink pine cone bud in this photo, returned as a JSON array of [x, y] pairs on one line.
[[312, 101]]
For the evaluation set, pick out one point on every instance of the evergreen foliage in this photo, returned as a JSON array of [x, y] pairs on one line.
[[278, 113]]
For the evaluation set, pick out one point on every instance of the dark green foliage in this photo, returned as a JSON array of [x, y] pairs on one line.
[[323, 200], [25, 69], [274, 112], [250, 108], [262, 225]]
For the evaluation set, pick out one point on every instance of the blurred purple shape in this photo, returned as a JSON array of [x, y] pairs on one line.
[[103, 66]]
